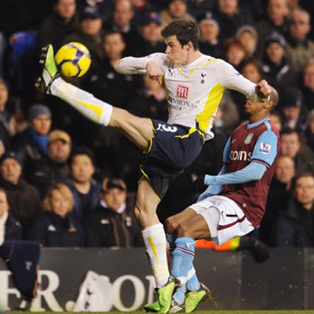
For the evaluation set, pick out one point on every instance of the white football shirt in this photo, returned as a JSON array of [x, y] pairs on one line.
[[194, 91]]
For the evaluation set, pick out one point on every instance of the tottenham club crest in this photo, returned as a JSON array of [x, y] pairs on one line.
[[249, 138]]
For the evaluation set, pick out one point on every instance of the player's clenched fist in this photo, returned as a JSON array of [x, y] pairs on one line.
[[154, 71], [263, 89]]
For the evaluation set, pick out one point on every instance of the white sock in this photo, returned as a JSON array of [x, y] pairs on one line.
[[92, 108], [156, 249]]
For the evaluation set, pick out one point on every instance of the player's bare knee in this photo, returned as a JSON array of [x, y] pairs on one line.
[[171, 225], [138, 214], [183, 230]]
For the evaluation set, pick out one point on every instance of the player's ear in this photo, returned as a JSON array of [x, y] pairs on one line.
[[189, 46], [268, 104]]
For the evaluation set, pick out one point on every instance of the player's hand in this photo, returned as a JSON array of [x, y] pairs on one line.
[[154, 71], [263, 89]]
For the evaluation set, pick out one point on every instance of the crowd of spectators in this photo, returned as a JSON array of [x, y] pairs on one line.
[[65, 181]]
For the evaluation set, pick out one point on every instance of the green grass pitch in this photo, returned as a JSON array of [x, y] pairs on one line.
[[197, 312]]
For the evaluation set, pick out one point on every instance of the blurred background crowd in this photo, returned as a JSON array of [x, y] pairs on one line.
[[65, 181]]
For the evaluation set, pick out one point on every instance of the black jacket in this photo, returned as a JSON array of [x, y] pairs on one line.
[[295, 228], [24, 200], [52, 230], [13, 229], [107, 228]]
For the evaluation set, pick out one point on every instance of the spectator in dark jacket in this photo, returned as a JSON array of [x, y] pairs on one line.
[[54, 167], [292, 146], [59, 25], [295, 228], [277, 70], [10, 229], [31, 144], [57, 228], [114, 223], [86, 190], [278, 197], [23, 197]]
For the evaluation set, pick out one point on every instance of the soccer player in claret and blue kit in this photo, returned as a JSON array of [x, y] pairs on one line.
[[195, 84], [232, 205]]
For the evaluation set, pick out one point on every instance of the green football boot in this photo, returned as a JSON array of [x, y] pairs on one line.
[[152, 307], [49, 69], [195, 297], [164, 295]]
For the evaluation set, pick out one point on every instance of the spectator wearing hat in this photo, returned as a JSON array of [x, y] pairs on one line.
[[31, 144], [276, 69], [291, 105], [275, 21], [113, 224], [89, 33], [56, 227], [59, 25], [23, 197], [300, 49], [177, 9], [85, 189], [104, 81], [210, 43], [150, 33], [54, 167]]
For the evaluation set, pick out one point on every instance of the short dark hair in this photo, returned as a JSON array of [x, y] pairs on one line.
[[185, 30], [289, 131], [83, 150], [299, 176]]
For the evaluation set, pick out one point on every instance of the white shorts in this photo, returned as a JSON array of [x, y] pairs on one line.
[[225, 219]]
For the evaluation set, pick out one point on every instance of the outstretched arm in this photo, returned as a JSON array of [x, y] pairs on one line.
[[148, 64], [253, 171], [231, 79]]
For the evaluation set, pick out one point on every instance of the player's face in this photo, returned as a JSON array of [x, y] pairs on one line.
[[252, 107], [304, 190], [176, 54]]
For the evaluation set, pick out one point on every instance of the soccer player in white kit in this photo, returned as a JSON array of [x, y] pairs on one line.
[[195, 84]]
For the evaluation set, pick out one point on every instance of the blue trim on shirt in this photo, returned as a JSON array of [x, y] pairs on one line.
[[253, 125]]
